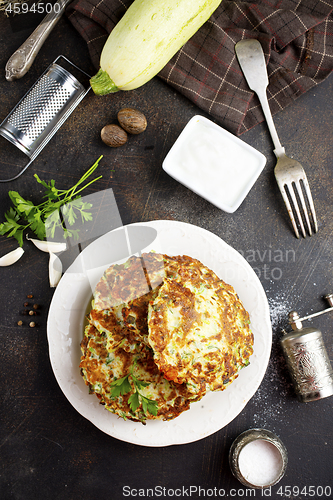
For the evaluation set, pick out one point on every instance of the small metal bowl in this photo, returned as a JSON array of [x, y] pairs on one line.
[[248, 437]]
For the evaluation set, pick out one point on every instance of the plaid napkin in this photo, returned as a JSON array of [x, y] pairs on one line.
[[297, 38]]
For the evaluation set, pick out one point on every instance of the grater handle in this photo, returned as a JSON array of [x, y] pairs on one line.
[[20, 62]]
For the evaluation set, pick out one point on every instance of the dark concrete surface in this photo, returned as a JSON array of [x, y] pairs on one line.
[[48, 451]]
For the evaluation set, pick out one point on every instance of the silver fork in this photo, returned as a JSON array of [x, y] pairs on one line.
[[289, 173]]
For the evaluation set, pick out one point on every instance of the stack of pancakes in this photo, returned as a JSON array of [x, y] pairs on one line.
[[170, 323]]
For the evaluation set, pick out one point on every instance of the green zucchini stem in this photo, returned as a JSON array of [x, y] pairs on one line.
[[102, 84]]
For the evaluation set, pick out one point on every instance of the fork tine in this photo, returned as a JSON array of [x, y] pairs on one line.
[[289, 191], [296, 208], [311, 204], [298, 189], [289, 208]]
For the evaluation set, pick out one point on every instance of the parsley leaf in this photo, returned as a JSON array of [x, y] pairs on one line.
[[44, 219], [134, 401], [122, 386]]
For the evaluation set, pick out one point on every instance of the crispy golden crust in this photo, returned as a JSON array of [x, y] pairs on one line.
[[121, 299], [120, 284], [198, 328], [100, 368], [155, 266]]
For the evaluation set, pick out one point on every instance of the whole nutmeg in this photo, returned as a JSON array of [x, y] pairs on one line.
[[132, 120], [113, 136]]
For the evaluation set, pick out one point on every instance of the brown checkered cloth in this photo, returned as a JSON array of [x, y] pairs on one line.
[[296, 35]]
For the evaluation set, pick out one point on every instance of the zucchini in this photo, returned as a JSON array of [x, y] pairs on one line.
[[145, 39]]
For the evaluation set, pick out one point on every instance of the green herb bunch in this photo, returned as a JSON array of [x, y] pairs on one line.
[[123, 386], [43, 219]]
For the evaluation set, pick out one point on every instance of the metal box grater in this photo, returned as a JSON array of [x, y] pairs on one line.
[[43, 110]]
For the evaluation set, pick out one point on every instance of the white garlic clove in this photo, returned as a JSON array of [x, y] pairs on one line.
[[48, 246], [11, 257], [55, 270]]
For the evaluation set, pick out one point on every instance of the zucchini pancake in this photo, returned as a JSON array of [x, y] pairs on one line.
[[128, 384], [162, 332]]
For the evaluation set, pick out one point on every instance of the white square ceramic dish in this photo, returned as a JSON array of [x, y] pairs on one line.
[[214, 163]]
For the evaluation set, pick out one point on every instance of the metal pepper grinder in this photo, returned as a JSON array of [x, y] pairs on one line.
[[307, 358]]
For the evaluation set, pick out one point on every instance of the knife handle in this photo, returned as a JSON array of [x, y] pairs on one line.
[[20, 62]]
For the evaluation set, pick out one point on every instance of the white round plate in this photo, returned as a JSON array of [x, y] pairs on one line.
[[215, 410]]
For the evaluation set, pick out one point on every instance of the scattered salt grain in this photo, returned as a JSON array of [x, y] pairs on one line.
[[260, 462], [279, 307]]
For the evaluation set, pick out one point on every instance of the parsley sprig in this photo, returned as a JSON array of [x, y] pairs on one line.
[[123, 386], [43, 219]]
